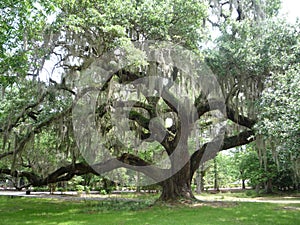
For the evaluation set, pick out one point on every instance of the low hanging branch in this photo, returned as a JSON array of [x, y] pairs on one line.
[[66, 173]]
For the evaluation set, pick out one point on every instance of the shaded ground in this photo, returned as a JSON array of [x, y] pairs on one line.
[[249, 195], [218, 197], [279, 200]]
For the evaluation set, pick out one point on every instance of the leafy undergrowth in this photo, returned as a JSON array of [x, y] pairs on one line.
[[63, 212]]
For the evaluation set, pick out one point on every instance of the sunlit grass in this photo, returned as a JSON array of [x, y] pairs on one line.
[[64, 212]]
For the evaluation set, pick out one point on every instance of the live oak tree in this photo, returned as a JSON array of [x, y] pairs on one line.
[[36, 116]]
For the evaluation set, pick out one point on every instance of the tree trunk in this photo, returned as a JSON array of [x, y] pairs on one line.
[[200, 180], [216, 185], [138, 188], [243, 180], [243, 184], [178, 186], [257, 188], [269, 186]]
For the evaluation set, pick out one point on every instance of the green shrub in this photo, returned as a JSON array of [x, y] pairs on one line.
[[43, 188], [251, 193], [103, 192], [79, 187], [87, 190]]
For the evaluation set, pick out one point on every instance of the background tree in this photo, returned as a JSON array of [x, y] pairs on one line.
[[226, 171], [248, 58], [279, 122]]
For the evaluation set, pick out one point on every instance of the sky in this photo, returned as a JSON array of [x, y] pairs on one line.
[[291, 9]]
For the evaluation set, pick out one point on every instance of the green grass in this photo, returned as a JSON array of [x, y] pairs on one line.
[[64, 212]]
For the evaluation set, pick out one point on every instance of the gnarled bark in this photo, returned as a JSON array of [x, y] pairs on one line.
[[177, 187]]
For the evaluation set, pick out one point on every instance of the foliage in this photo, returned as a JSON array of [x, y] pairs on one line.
[[256, 171], [252, 171], [247, 54], [279, 122], [248, 165], [76, 183], [279, 117], [227, 173], [249, 50], [22, 26]]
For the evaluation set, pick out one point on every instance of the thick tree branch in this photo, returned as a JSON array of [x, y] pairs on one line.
[[242, 138], [239, 119], [66, 173], [206, 106], [140, 119]]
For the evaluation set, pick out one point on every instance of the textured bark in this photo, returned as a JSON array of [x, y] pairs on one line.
[[178, 186]]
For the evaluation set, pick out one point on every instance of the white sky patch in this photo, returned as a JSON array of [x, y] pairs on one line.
[[168, 122], [49, 71], [290, 10]]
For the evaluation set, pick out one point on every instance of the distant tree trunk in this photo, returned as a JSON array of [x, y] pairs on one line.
[[269, 186], [216, 185], [257, 188], [52, 188], [243, 180], [243, 184], [138, 188], [200, 180]]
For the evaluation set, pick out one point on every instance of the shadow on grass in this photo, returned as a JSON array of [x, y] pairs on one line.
[[65, 212]]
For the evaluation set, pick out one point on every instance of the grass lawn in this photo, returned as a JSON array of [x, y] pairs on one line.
[[19, 210]]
